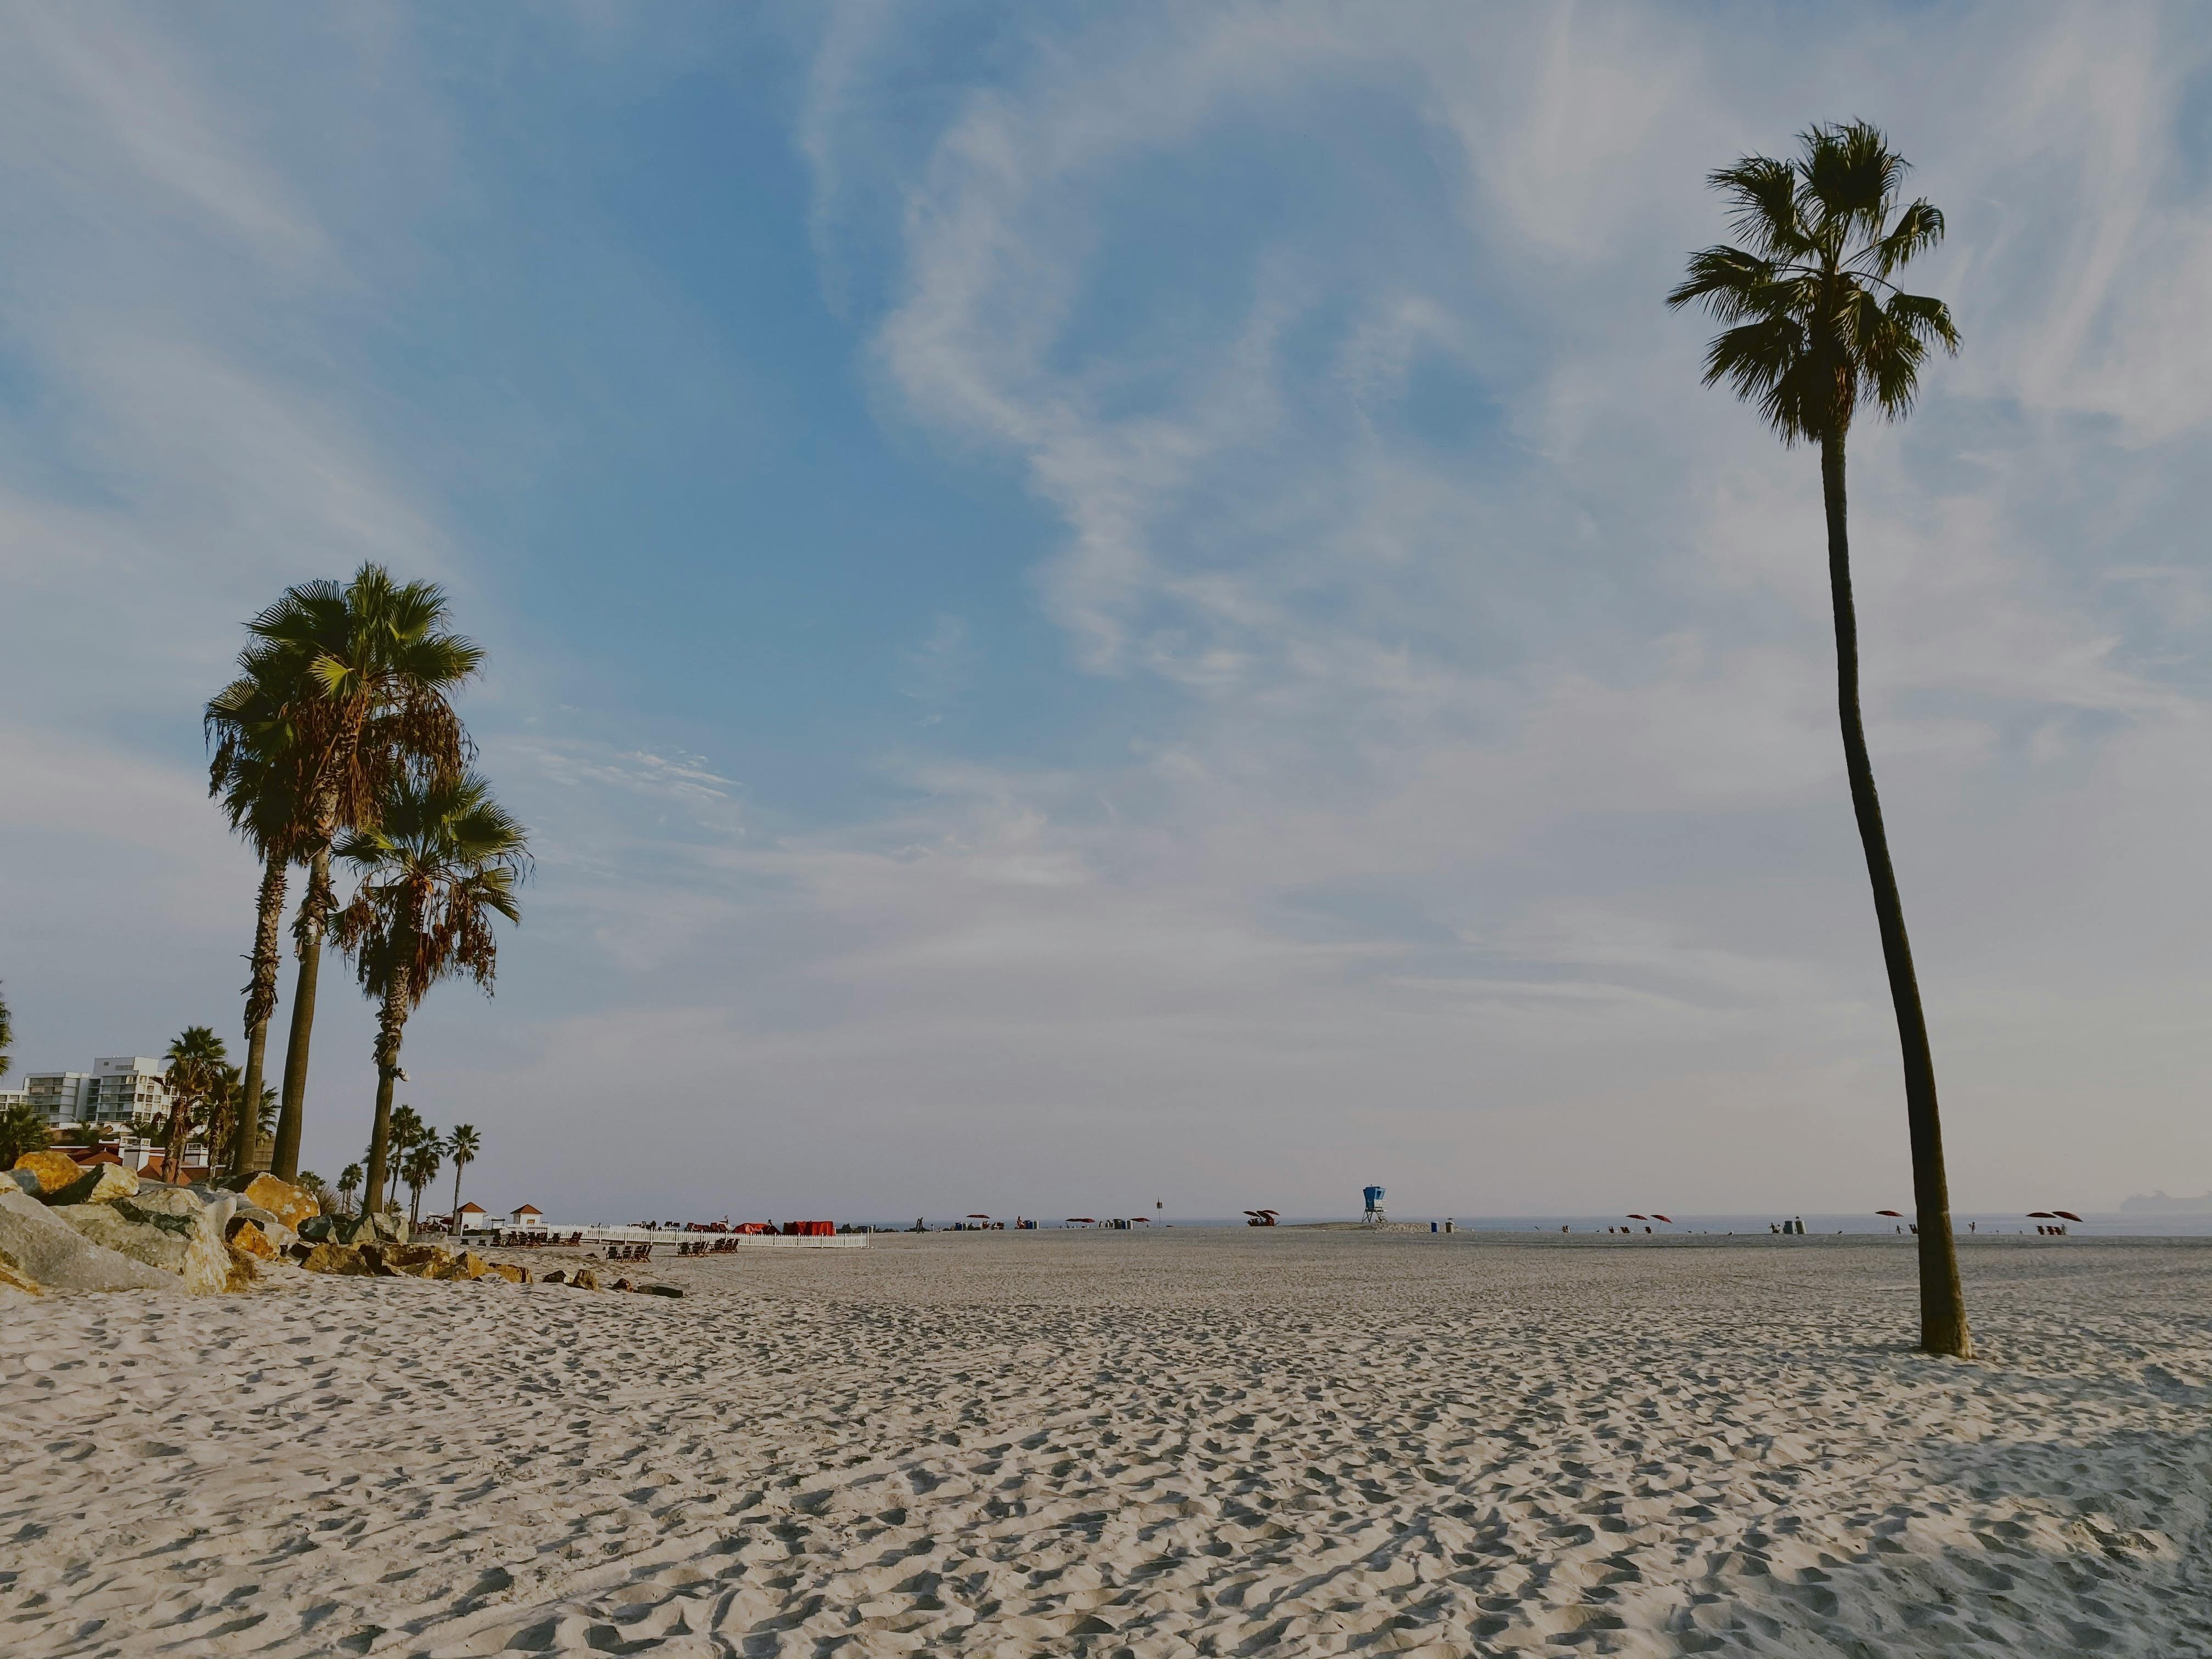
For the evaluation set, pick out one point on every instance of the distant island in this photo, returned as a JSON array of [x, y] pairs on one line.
[[2159, 1204]]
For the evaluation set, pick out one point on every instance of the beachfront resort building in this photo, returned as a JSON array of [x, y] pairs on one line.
[[120, 1088]]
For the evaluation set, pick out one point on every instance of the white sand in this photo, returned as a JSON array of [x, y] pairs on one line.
[[1115, 1443]]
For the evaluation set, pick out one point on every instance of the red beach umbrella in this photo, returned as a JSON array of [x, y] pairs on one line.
[[1897, 1213], [972, 1215], [1633, 1216], [2067, 1214], [1087, 1220], [2041, 1215], [1668, 1219]]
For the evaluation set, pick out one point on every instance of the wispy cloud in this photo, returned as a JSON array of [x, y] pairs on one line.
[[1472, 816]]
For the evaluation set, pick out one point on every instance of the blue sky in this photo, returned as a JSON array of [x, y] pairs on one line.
[[1109, 602]]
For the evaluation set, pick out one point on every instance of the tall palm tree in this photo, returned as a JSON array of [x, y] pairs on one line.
[[1817, 332], [261, 770], [420, 1167], [363, 672], [444, 859], [7, 1035], [406, 1134], [349, 1183], [193, 1076], [462, 1146]]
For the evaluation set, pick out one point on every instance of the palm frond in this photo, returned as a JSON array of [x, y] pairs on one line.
[[1764, 207], [1918, 228], [1807, 339]]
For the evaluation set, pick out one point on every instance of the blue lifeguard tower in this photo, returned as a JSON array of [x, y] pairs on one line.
[[1374, 1216]]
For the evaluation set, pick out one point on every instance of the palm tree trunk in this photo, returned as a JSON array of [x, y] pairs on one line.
[[1942, 1301], [180, 1131], [247, 1152], [456, 1222], [391, 1025], [307, 934]]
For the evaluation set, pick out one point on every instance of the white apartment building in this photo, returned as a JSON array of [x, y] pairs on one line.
[[120, 1088], [60, 1097], [129, 1090]]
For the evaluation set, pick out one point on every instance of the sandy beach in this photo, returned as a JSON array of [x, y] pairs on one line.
[[1202, 1443]]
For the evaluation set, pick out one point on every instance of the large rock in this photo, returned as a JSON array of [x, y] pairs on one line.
[[416, 1260], [163, 1227], [346, 1260], [288, 1204], [42, 1245], [319, 1228], [244, 1269], [512, 1273], [466, 1265], [373, 1228], [280, 1237], [246, 1235], [101, 1183], [62, 1179], [51, 1170]]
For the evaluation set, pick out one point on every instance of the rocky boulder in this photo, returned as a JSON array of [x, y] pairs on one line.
[[99, 1184], [584, 1280], [416, 1260], [58, 1178], [51, 1170], [512, 1272], [43, 1246], [245, 1236], [164, 1227], [465, 1265], [244, 1269], [288, 1204], [373, 1228], [345, 1260], [280, 1237]]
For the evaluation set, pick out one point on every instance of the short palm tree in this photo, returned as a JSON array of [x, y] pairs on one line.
[[462, 1146], [1817, 332], [194, 1077], [23, 1129], [441, 862], [354, 680], [419, 1168], [407, 1130], [349, 1183], [226, 1095]]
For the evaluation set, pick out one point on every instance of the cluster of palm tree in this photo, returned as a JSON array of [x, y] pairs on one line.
[[416, 1152], [208, 1099], [336, 751]]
